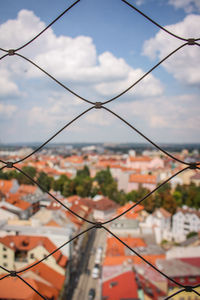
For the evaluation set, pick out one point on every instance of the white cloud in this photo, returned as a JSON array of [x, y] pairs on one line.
[[184, 65], [7, 110], [140, 2], [99, 118], [7, 86], [69, 59], [188, 5], [150, 86], [167, 113]]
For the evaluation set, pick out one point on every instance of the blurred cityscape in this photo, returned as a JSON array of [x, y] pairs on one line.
[[99, 182]]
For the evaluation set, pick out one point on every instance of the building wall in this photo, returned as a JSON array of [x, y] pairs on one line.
[[40, 252], [101, 215], [184, 252], [6, 258], [183, 223]]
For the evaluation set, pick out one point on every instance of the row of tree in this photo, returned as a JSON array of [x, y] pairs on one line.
[[103, 183]]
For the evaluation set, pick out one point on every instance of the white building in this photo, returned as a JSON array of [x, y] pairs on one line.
[[184, 221], [159, 223]]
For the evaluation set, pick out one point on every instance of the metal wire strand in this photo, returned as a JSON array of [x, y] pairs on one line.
[[53, 136], [174, 294], [146, 196], [136, 253], [155, 23], [57, 81], [56, 19], [94, 224], [22, 279], [113, 98], [3, 56], [38, 262], [1, 49], [3, 166], [146, 138], [3, 268], [45, 190], [196, 291], [4, 276], [147, 73]]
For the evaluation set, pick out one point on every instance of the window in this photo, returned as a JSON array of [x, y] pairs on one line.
[[5, 264], [32, 256], [4, 249], [4, 256]]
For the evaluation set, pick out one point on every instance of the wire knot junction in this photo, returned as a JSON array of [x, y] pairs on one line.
[[98, 225], [11, 52], [193, 166], [98, 105], [9, 164], [188, 289], [191, 41], [13, 273]]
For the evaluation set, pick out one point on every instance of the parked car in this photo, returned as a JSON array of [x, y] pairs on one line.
[[95, 271], [100, 250], [97, 258], [91, 294]]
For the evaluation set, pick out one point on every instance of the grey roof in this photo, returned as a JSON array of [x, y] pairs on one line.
[[190, 241], [177, 268], [125, 224], [150, 249]]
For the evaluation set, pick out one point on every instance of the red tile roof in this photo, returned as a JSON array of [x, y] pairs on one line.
[[75, 159], [73, 198], [16, 201], [142, 178], [15, 288], [133, 213], [140, 158], [5, 185], [122, 286], [105, 204], [116, 248], [27, 189], [50, 275], [194, 261], [118, 260]]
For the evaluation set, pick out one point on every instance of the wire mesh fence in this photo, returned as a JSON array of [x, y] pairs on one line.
[[100, 105]]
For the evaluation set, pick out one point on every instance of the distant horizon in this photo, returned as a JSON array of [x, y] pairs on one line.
[[105, 144]]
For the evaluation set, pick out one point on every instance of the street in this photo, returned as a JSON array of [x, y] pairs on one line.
[[86, 282]]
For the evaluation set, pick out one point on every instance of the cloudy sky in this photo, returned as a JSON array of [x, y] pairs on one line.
[[98, 49]]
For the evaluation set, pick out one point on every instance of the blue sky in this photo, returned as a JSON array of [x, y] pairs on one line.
[[98, 49]]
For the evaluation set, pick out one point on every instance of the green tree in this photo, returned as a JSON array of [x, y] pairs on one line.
[[45, 181], [149, 204], [85, 172], [104, 177], [132, 196], [107, 185], [169, 203], [191, 234], [178, 198], [58, 184], [69, 188], [83, 186], [22, 179]]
